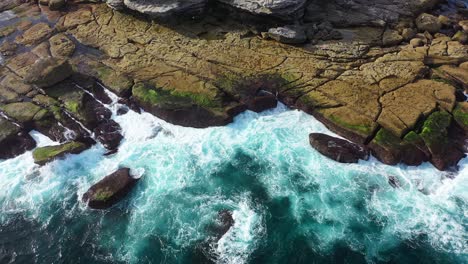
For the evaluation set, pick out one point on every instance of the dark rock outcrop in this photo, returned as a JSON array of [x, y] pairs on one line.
[[13, 141], [110, 190], [338, 149]]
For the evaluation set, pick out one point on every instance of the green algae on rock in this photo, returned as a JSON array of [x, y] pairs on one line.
[[45, 155]]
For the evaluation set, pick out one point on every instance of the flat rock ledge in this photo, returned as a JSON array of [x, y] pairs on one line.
[[393, 88], [44, 155], [110, 190]]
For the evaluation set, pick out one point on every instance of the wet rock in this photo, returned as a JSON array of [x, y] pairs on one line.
[[108, 133], [13, 141], [224, 222], [47, 72], [131, 104], [122, 110], [338, 149], [110, 190], [394, 182], [391, 38], [288, 34], [61, 46], [179, 110], [45, 155], [35, 34], [262, 102], [429, 23], [8, 48], [23, 112]]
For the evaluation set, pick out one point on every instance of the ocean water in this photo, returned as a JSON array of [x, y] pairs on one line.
[[289, 203]]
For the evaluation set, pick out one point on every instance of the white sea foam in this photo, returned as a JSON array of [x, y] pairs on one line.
[[183, 188]]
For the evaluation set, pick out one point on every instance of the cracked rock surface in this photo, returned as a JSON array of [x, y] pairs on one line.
[[394, 99]]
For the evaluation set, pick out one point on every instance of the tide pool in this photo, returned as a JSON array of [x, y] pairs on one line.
[[290, 204]]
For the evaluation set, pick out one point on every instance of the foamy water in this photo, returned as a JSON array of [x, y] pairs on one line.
[[285, 197]]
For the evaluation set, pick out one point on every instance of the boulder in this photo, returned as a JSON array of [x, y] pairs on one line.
[[47, 154], [47, 72], [110, 190], [429, 23], [338, 149], [13, 140], [288, 34]]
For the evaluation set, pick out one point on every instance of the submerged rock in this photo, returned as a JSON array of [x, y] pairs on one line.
[[45, 155], [110, 190], [338, 149]]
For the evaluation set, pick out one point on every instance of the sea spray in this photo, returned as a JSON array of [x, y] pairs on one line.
[[289, 202]]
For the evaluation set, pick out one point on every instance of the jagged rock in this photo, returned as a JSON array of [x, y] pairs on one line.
[[338, 149], [110, 190], [45, 155], [13, 141], [428, 22], [108, 133], [47, 72], [224, 222], [288, 34]]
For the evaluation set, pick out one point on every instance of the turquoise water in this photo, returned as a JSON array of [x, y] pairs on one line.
[[290, 204]]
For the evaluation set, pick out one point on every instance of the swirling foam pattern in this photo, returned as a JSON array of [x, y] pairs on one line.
[[289, 203]]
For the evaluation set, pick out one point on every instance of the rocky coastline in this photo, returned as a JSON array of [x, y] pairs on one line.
[[390, 77]]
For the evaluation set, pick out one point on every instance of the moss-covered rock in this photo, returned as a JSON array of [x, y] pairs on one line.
[[23, 112], [460, 115], [435, 133], [177, 109], [44, 155], [110, 190]]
